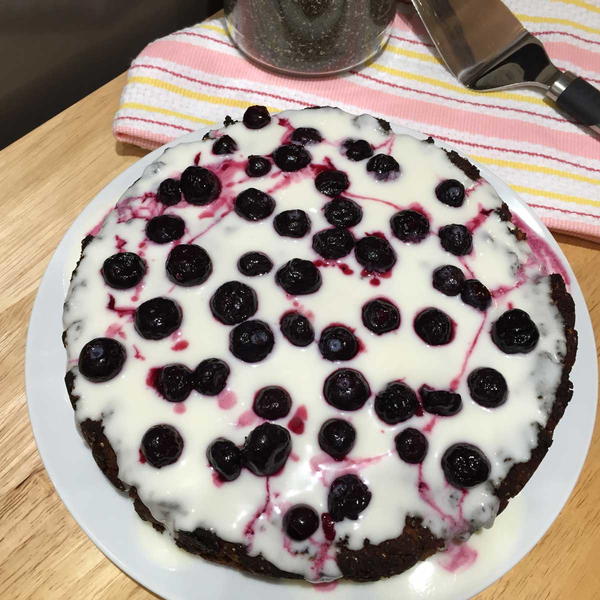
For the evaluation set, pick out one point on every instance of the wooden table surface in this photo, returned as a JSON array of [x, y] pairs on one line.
[[46, 179]]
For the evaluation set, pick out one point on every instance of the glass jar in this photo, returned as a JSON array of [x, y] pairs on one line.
[[310, 37]]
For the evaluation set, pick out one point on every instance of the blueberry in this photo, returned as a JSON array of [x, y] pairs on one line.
[[291, 157], [434, 327], [200, 186], [123, 270], [451, 192], [169, 192], [440, 402], [357, 149], [188, 264], [456, 239], [210, 376], [257, 166], [448, 279], [396, 403], [337, 438], [272, 403], [384, 167], [306, 135], [256, 117], [348, 497], [487, 387], [233, 302], [266, 449], [300, 522], [333, 243], [253, 264], [254, 205], [342, 212], [375, 254], [165, 228], [297, 329], [298, 277], [225, 458], [162, 445], [475, 294], [293, 223], [410, 226], [101, 359], [380, 316], [251, 341], [515, 333], [346, 389], [174, 382], [224, 145], [411, 446], [157, 318], [331, 182], [338, 343], [465, 465]]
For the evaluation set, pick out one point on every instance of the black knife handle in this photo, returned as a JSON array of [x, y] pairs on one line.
[[578, 99]]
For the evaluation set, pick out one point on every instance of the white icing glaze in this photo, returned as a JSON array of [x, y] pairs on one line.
[[184, 495]]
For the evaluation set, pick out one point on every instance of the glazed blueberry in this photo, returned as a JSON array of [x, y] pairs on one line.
[[256, 117], [375, 254], [434, 327], [224, 145], [348, 497], [451, 192], [157, 318], [210, 376], [188, 264], [396, 403], [165, 228], [291, 157], [272, 403], [411, 446], [266, 449], [169, 192], [225, 458], [298, 277], [297, 329], [440, 402], [338, 343], [342, 212], [200, 186], [346, 389], [162, 445], [336, 438], [174, 382], [487, 387], [475, 294], [465, 465], [305, 136], [101, 359], [300, 522], [448, 279], [380, 316], [357, 149], [293, 223], [410, 226], [251, 341], [233, 302], [123, 270], [331, 182], [254, 205], [384, 167], [257, 166], [253, 264], [333, 243], [456, 239], [515, 333]]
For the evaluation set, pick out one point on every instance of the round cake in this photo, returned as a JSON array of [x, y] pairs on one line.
[[308, 347]]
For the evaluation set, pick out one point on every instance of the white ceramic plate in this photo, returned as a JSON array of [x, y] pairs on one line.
[[108, 517]]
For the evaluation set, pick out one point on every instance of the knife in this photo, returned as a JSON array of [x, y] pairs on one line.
[[487, 48]]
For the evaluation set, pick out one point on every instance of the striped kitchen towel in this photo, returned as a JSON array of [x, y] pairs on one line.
[[195, 77]]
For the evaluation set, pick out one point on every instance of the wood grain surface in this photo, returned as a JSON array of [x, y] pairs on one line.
[[46, 179]]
